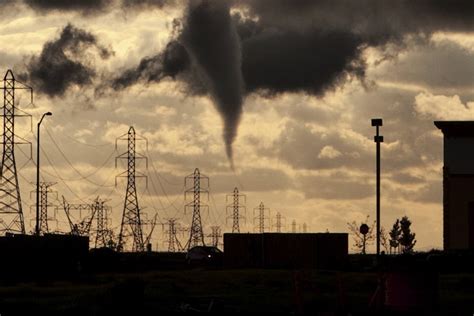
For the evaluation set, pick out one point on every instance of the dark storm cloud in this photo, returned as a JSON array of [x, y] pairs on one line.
[[277, 61], [276, 46], [169, 63], [94, 6], [144, 4], [69, 5], [313, 46], [376, 20], [63, 62]]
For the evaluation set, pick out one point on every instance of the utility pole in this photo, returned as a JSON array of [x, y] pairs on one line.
[[196, 184], [260, 218], [11, 211], [377, 139], [37, 227], [235, 208], [131, 222]]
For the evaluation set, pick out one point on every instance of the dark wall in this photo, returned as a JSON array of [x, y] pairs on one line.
[[26, 255], [282, 250]]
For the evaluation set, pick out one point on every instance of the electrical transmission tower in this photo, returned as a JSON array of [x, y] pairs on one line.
[[79, 225], [279, 222], [103, 234], [44, 205], [261, 218], [196, 184], [215, 235], [131, 221], [172, 235], [235, 208], [151, 224], [11, 211], [305, 228], [293, 226]]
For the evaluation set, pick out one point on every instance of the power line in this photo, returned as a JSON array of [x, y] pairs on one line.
[[82, 177], [86, 144]]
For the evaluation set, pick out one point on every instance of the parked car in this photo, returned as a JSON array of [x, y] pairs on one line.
[[204, 255]]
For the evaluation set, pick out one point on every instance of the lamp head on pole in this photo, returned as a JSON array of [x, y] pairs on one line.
[[377, 122], [48, 113]]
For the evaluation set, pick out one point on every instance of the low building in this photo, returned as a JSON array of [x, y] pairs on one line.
[[286, 250], [51, 254], [458, 184]]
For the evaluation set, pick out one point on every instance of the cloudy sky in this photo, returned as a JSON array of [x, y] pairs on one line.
[[272, 96]]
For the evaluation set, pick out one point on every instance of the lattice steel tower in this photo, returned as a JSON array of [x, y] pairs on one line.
[[102, 234], [171, 235], [293, 226], [215, 235], [260, 218], [131, 221], [235, 208], [278, 223], [44, 188], [11, 212], [196, 184]]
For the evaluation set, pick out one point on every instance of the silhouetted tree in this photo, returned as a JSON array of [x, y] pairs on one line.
[[407, 238], [360, 241], [395, 234], [384, 240]]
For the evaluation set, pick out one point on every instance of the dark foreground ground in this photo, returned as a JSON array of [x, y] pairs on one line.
[[222, 292]]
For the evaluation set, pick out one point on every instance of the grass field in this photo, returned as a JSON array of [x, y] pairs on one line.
[[220, 291]]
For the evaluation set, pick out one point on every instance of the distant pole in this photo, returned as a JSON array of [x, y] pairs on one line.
[[37, 228], [377, 139]]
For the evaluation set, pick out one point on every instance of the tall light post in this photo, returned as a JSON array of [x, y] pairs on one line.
[[37, 228], [378, 139]]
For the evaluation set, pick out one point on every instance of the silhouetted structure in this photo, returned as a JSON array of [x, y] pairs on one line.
[[283, 250], [377, 139], [103, 234], [235, 207], [458, 184], [278, 222], [44, 188], [293, 226], [42, 256], [196, 184], [131, 221], [260, 218], [172, 235], [11, 211], [305, 228], [215, 235], [79, 225]]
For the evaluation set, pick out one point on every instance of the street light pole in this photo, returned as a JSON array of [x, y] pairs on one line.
[[378, 139], [37, 228]]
